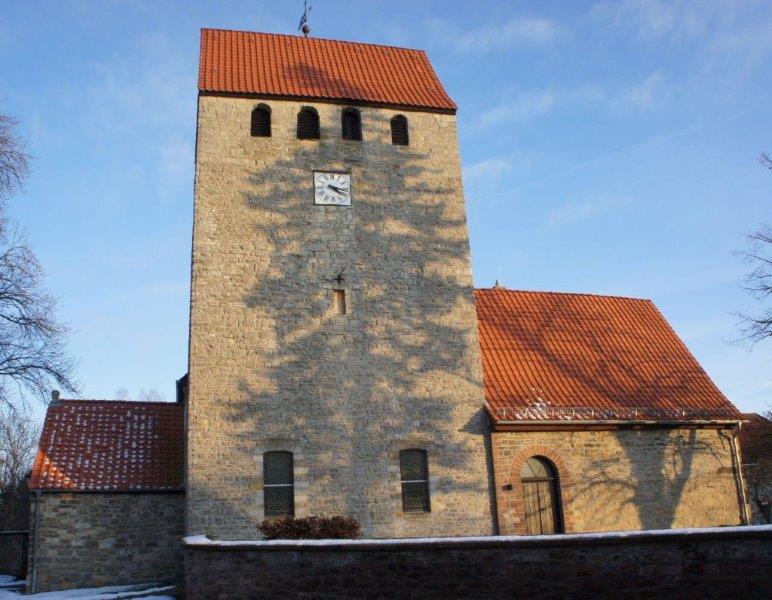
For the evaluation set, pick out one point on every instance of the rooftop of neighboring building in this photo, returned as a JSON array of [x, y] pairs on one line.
[[582, 357], [289, 66]]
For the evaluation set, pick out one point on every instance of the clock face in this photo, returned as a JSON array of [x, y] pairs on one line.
[[332, 188]]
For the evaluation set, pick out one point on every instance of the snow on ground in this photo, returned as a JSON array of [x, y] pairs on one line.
[[115, 592], [7, 581]]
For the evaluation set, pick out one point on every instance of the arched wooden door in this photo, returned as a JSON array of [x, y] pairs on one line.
[[540, 497]]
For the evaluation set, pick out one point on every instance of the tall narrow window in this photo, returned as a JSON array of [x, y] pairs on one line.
[[278, 484], [340, 301], [308, 124], [261, 121], [540, 497], [351, 125], [399, 136], [414, 473]]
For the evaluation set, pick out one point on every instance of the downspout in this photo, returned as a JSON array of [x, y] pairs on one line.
[[33, 561], [738, 474]]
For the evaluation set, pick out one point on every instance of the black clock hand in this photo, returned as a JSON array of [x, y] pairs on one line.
[[336, 189]]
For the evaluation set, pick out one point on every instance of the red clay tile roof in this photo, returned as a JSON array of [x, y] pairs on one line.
[[553, 356], [106, 445], [267, 64]]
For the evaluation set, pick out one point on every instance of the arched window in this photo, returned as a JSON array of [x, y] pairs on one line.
[[399, 136], [541, 496], [308, 124], [414, 475], [278, 484], [351, 125], [261, 121]]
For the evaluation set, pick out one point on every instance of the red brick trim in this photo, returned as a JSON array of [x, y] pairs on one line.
[[509, 493]]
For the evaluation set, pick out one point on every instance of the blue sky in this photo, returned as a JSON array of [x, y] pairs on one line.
[[608, 147]]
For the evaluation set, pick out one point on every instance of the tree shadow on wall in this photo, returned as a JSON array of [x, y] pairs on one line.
[[390, 372], [607, 368]]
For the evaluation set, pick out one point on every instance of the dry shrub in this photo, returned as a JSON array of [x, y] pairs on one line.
[[310, 528]]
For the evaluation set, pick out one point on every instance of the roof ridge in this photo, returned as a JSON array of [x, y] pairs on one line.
[[299, 37], [558, 293], [114, 401]]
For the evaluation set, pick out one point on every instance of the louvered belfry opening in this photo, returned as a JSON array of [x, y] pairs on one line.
[[351, 125], [399, 136], [414, 476], [541, 497], [278, 484], [261, 121], [308, 124]]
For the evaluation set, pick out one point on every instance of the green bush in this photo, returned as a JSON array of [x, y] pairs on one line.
[[310, 528]]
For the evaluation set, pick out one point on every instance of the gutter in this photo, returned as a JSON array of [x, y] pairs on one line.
[[738, 475], [596, 424], [179, 490], [558, 422], [35, 537]]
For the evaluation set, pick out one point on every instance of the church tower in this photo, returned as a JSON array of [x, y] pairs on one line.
[[334, 355]]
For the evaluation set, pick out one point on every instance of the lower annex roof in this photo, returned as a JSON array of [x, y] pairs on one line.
[[108, 445], [551, 356]]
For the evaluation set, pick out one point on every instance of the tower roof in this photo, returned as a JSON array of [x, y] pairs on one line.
[[287, 66], [554, 356]]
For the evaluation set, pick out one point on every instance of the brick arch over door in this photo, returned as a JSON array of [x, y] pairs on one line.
[[511, 505]]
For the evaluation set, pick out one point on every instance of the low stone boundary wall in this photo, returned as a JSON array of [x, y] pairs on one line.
[[731, 562], [13, 553]]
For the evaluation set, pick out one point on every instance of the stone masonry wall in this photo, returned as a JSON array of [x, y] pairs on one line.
[[92, 540], [625, 479], [727, 563], [271, 364]]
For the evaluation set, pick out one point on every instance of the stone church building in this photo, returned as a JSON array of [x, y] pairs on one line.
[[342, 363]]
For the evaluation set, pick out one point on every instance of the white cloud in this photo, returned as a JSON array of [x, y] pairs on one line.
[[528, 105], [517, 31], [520, 108], [148, 101], [645, 95], [653, 20], [642, 96], [574, 212], [158, 88], [175, 157], [491, 167]]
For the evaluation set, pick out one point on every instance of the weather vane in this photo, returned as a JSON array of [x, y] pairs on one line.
[[303, 25]]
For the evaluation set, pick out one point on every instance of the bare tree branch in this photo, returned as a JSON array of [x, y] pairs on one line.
[[758, 282], [18, 442], [33, 357], [14, 162]]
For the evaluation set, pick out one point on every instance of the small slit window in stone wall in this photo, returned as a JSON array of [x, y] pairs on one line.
[[278, 484], [399, 135], [261, 121], [414, 476], [308, 124], [340, 302], [351, 125]]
